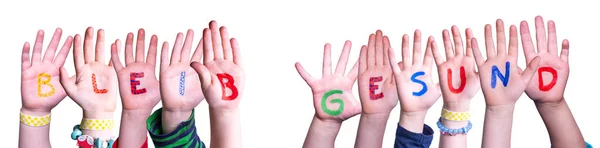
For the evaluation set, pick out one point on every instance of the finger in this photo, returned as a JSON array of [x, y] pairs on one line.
[[469, 36], [417, 60], [151, 58], [51, 49], [129, 59], [406, 51], [164, 56], [305, 75], [326, 61], [25, 61], [428, 59], [88, 45], [78, 57], [176, 54], [362, 59], [187, 46], [237, 55], [530, 70], [208, 49], [353, 73], [501, 37], [447, 44], [371, 50], [386, 47], [114, 57], [227, 52], [204, 74], [527, 42], [140, 45], [37, 47], [100, 46], [67, 84], [477, 53], [392, 59], [458, 42], [489, 42], [437, 56], [379, 48], [64, 51], [513, 43], [197, 56], [540, 35], [401, 65], [552, 43], [216, 40], [340, 68], [564, 53]]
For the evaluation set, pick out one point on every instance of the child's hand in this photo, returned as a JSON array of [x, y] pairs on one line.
[[500, 69], [221, 73], [548, 84], [332, 94], [94, 87], [413, 78], [137, 82], [376, 88], [40, 87]]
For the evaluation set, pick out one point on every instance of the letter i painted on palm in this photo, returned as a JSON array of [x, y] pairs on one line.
[[134, 83], [182, 83], [373, 87], [95, 85], [46, 82], [503, 78]]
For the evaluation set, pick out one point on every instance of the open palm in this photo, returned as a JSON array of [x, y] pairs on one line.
[[500, 69], [332, 94], [553, 69], [376, 87], [221, 73], [40, 86], [179, 84], [415, 88], [138, 85]]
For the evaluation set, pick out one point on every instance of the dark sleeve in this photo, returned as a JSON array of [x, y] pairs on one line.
[[183, 136], [407, 139]]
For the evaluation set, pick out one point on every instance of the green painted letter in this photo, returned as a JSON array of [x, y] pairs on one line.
[[335, 100]]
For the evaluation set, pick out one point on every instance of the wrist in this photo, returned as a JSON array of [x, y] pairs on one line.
[[551, 105], [35, 112], [328, 123], [413, 121], [458, 106], [136, 113], [222, 112], [97, 115]]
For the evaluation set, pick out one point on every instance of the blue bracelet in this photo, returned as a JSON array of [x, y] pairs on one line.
[[452, 132]]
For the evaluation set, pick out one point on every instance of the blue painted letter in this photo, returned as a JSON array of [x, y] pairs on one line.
[[182, 83], [414, 79], [503, 78]]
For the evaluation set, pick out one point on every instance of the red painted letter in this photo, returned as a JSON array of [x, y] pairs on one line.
[[463, 80], [134, 83], [373, 87], [541, 80], [96, 90], [227, 82]]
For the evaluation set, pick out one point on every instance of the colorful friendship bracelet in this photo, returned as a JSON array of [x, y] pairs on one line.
[[97, 124], [35, 121], [455, 116], [453, 132], [86, 141]]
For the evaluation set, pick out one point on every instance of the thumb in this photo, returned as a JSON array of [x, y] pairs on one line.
[[530, 70], [204, 74], [67, 83]]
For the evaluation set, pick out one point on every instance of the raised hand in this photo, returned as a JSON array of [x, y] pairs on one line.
[[502, 81], [548, 86], [221, 72], [416, 90], [137, 81], [376, 88], [457, 76], [332, 94]]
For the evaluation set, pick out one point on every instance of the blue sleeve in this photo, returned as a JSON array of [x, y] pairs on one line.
[[407, 139]]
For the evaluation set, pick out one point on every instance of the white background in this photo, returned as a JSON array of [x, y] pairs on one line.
[[276, 110]]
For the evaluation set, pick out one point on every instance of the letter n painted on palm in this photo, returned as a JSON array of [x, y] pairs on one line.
[[496, 73]]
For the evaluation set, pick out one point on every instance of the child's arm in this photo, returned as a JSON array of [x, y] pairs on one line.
[[548, 86], [332, 98], [39, 81]]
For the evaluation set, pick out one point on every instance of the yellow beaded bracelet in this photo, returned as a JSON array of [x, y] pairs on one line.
[[97, 124], [455, 116], [35, 121]]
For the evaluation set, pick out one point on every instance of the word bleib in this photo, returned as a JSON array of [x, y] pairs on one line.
[[463, 80], [335, 100], [413, 78], [503, 78], [94, 84], [373, 87], [541, 81], [46, 82], [134, 83], [227, 81], [182, 83]]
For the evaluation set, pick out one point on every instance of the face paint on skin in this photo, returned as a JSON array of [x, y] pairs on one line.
[[182, 83], [134, 83], [550, 85], [94, 84], [227, 81], [373, 87], [413, 78], [503, 78], [333, 101], [46, 82], [463, 80]]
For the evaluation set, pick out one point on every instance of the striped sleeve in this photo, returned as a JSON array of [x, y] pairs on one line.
[[184, 135]]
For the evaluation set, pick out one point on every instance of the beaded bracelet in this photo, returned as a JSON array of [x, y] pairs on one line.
[[453, 132], [86, 141]]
